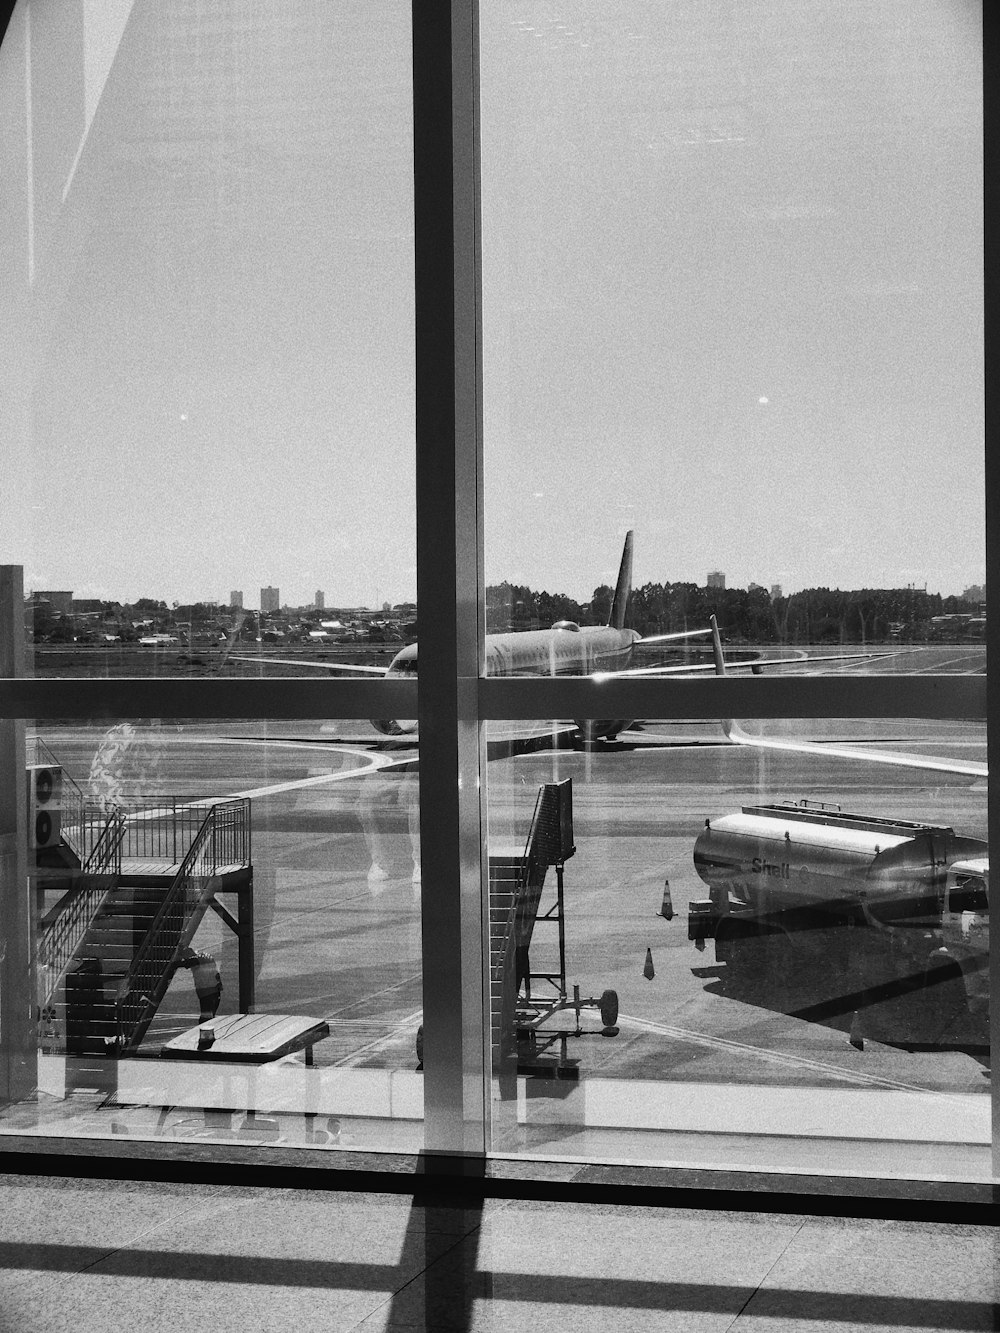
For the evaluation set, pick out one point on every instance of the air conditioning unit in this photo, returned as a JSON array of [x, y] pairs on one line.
[[44, 805]]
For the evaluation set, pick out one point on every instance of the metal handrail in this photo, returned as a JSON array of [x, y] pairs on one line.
[[98, 878], [222, 840]]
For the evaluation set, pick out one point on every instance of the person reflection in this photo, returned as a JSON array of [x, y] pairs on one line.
[[390, 820], [126, 764]]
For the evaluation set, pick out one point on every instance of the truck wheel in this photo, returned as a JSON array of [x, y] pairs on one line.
[[609, 1008]]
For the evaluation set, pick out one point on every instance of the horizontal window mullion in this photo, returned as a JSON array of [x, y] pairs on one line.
[[285, 697], [578, 697], [582, 697]]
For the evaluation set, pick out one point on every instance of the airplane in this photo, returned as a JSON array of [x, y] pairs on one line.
[[566, 649]]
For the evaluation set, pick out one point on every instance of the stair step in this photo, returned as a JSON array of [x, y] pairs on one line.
[[137, 912], [124, 938]]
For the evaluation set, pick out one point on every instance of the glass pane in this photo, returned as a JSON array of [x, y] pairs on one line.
[[733, 300], [207, 379], [780, 955], [225, 928]]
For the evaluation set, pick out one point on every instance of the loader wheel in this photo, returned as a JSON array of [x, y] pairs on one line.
[[609, 1008]]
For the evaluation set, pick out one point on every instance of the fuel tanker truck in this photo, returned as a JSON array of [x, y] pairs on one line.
[[803, 885]]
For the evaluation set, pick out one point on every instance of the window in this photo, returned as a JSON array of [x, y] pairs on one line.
[[678, 243]]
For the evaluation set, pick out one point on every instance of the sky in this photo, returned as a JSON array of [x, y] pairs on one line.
[[731, 284]]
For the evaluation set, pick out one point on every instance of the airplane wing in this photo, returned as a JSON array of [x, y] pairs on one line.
[[736, 734], [680, 634], [315, 666], [755, 665]]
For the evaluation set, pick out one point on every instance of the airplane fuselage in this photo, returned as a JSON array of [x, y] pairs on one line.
[[567, 649]]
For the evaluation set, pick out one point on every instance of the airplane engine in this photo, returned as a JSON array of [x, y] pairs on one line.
[[598, 730], [395, 727]]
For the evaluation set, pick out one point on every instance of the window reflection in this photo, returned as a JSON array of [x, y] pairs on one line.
[[770, 922], [226, 939]]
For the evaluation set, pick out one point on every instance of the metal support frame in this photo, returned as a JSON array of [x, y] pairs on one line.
[[555, 914], [242, 927], [18, 906]]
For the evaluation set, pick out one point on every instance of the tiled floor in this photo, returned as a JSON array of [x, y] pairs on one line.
[[80, 1255]]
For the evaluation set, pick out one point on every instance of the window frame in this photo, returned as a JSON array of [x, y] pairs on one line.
[[452, 698]]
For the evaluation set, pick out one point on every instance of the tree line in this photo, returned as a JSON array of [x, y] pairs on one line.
[[814, 615]]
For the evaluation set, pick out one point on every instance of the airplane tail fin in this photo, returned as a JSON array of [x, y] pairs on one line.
[[729, 726], [717, 653], [624, 586]]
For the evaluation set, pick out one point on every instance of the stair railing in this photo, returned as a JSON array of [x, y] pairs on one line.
[[543, 847], [98, 877], [223, 831], [531, 872]]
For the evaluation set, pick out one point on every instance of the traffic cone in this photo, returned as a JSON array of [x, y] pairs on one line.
[[647, 970], [857, 1037], [667, 907]]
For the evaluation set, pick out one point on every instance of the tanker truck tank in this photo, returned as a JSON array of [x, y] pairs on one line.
[[781, 877]]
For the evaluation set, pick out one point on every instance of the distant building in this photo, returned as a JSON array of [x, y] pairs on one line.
[[776, 591], [59, 602], [716, 579], [975, 593], [320, 602], [756, 587], [270, 599], [236, 599]]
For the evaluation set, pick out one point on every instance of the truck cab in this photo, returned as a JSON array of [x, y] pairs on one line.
[[965, 925]]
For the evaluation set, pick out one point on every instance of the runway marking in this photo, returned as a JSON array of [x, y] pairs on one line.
[[941, 666], [374, 762], [782, 1057], [374, 995], [399, 1028], [274, 744]]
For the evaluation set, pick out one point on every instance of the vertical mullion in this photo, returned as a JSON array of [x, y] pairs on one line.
[[449, 571], [18, 1028], [991, 48]]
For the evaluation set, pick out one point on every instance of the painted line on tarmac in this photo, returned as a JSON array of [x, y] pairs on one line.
[[289, 743], [400, 1028], [951, 661], [372, 995], [781, 1057], [374, 763]]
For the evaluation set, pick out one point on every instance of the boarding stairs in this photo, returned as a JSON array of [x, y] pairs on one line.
[[516, 881], [109, 947]]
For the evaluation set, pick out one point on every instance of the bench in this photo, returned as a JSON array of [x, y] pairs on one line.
[[253, 1039]]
